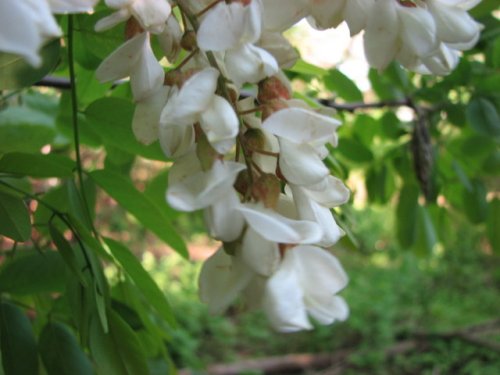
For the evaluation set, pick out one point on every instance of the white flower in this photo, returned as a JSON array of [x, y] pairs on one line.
[[196, 102], [71, 6], [190, 188], [234, 28], [302, 136], [145, 123], [305, 283], [170, 39], [136, 59], [151, 14], [222, 279]]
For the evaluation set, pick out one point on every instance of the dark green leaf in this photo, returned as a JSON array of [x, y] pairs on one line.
[[119, 351], [60, 352], [142, 279], [36, 165], [493, 225], [383, 86], [17, 341], [16, 73], [67, 253], [14, 218], [111, 119], [342, 86], [483, 117], [406, 215], [123, 191], [32, 272]]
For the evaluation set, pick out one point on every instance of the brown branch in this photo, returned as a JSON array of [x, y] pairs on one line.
[[351, 107]]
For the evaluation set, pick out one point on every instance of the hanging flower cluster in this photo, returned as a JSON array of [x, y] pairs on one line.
[[253, 165]]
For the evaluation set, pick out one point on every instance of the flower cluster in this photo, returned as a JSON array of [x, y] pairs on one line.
[[254, 165]]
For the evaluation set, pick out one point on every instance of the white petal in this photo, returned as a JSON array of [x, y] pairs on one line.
[[300, 163], [202, 189], [312, 211], [320, 272], [185, 104], [327, 313], [418, 30], [283, 300], [123, 60], [275, 227], [221, 279], [224, 221], [147, 116], [112, 20], [299, 125], [71, 6], [261, 255], [148, 75], [281, 49], [176, 141], [151, 14], [249, 63], [329, 192], [170, 39], [279, 15], [382, 29], [220, 123]]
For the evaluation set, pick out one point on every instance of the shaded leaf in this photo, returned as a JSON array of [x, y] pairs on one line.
[[493, 225], [406, 215], [142, 279], [14, 218], [139, 205], [342, 86], [32, 272], [17, 73], [483, 117], [19, 354], [119, 351], [60, 352], [36, 165]]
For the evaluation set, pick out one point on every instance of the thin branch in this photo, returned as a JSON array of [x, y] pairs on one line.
[[351, 107]]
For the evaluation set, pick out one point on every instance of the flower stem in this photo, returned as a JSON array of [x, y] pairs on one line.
[[74, 118]]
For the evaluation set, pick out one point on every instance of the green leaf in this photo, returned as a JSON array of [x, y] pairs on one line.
[[36, 165], [406, 215], [493, 225], [474, 202], [119, 351], [17, 341], [342, 86], [123, 191], [426, 233], [383, 87], [16, 73], [60, 352], [14, 218], [354, 150], [483, 117], [67, 253], [111, 119], [32, 272], [142, 279], [25, 129], [302, 67]]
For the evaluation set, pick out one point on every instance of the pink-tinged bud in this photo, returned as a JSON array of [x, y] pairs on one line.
[[254, 139], [407, 3], [188, 40], [267, 190], [132, 28], [244, 2], [273, 106], [271, 89]]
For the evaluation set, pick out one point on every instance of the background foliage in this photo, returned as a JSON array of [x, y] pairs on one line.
[[421, 154]]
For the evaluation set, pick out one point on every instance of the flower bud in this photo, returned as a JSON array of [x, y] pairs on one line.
[[254, 139], [188, 40], [242, 183], [272, 88], [267, 190], [273, 106]]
